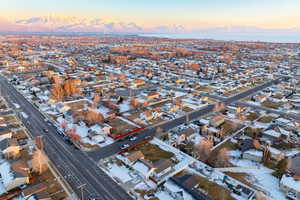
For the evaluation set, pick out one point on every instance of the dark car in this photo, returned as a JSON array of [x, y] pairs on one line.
[[45, 130]]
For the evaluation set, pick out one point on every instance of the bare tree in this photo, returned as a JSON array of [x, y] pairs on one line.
[[39, 142], [218, 107], [222, 158], [134, 102], [73, 134], [63, 124], [39, 162], [71, 87], [203, 148], [57, 92], [93, 117], [96, 98]]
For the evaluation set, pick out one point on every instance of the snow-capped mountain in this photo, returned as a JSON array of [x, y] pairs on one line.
[[54, 23], [76, 24]]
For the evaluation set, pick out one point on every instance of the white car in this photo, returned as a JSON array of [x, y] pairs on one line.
[[133, 138], [124, 146]]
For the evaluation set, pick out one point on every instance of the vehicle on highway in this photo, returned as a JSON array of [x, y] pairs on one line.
[[17, 106], [121, 140], [147, 137], [61, 133], [133, 138], [24, 115], [68, 141], [124, 146], [45, 130]]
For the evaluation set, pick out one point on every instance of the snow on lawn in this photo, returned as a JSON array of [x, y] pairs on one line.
[[6, 176], [235, 153], [147, 185], [120, 172], [81, 130], [291, 153], [141, 168], [103, 110], [60, 119], [128, 122], [22, 198], [261, 125], [179, 94], [163, 195], [2, 188], [261, 177], [125, 106]]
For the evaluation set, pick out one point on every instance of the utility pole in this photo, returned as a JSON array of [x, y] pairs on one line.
[[187, 119], [81, 188]]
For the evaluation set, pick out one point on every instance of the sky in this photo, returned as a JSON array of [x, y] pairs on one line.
[[193, 14]]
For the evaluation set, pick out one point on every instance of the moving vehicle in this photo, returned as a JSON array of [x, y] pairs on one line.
[[124, 146]]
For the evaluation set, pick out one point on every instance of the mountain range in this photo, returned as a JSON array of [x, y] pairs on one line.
[[54, 23], [76, 24]]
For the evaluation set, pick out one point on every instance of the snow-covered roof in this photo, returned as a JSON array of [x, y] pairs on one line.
[[5, 172], [254, 152], [271, 132], [140, 167], [290, 182]]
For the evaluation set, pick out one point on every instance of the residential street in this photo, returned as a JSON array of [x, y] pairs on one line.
[[76, 167]]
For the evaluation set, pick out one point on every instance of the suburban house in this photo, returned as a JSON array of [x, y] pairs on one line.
[[14, 174], [147, 115], [153, 95], [276, 131], [10, 147], [186, 135], [34, 189], [290, 183], [253, 154], [43, 196], [138, 83], [135, 156], [291, 186], [7, 134], [217, 120], [162, 167], [189, 183]]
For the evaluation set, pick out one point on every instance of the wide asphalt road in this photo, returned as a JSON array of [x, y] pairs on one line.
[[75, 166], [116, 147]]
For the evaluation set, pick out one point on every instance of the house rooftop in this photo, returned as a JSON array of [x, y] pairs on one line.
[[134, 156], [34, 189], [161, 165]]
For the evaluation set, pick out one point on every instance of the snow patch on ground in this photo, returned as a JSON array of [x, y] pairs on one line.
[[261, 177]]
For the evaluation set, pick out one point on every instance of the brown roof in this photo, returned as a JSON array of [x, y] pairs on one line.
[[43, 196], [148, 114], [187, 132], [153, 94], [21, 167], [13, 142], [147, 163], [133, 157], [4, 132], [34, 189], [161, 165], [189, 180], [295, 165]]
